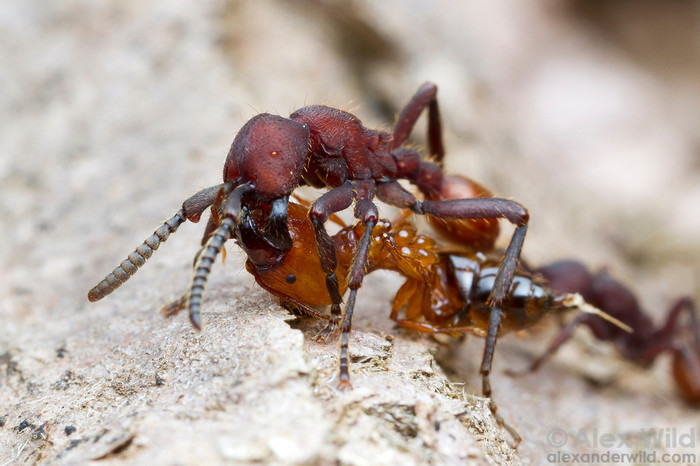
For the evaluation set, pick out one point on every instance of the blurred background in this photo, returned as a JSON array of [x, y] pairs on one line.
[[111, 113]]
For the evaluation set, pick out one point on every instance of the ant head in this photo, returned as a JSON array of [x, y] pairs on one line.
[[268, 153]]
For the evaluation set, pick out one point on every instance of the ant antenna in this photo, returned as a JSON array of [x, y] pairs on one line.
[[575, 300], [231, 212], [203, 267], [137, 258]]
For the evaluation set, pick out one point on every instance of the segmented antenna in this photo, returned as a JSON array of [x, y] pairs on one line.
[[136, 259], [203, 267]]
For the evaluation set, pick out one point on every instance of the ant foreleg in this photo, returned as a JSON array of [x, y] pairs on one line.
[[368, 213], [425, 96], [191, 210], [686, 372], [329, 203]]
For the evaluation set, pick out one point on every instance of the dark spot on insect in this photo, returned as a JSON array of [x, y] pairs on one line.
[[159, 380], [2, 421], [69, 430], [61, 352], [291, 278], [436, 426]]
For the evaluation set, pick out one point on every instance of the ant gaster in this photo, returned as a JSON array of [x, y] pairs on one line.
[[325, 147]]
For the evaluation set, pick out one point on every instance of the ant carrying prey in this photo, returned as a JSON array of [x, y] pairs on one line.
[[445, 291]]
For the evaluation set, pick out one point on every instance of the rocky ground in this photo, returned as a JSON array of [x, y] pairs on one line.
[[114, 112]]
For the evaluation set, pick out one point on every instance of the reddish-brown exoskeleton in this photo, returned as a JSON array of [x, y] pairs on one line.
[[647, 341], [325, 147]]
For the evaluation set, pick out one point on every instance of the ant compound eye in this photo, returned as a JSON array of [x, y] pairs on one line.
[[291, 278]]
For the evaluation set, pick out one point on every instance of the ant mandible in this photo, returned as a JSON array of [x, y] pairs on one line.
[[326, 147]]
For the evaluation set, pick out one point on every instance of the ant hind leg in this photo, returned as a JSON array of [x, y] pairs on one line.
[[485, 371], [425, 97]]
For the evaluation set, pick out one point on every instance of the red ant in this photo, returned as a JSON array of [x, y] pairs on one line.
[[325, 147], [646, 342]]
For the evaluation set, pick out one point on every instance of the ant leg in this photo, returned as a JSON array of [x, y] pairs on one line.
[[191, 210], [173, 307], [329, 203], [686, 372], [663, 339], [559, 340], [425, 96], [472, 208], [487, 207], [653, 350], [485, 371], [394, 194], [367, 212], [412, 295], [669, 328]]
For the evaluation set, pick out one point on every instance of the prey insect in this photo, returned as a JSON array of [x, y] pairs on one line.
[[445, 291]]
